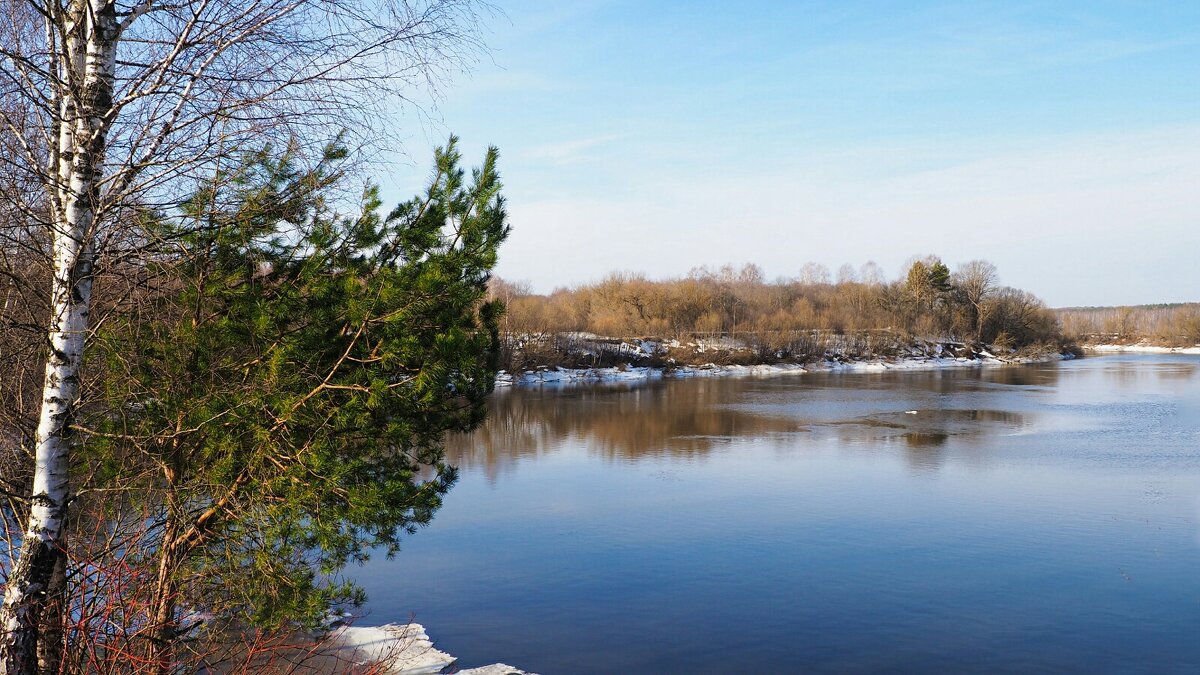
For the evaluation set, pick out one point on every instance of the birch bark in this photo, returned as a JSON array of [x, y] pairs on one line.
[[86, 75]]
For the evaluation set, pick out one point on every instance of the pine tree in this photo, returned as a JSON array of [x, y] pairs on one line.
[[278, 405], [939, 277]]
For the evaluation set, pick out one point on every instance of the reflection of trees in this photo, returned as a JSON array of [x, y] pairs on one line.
[[928, 428], [676, 419], [1129, 374], [925, 439], [1042, 375], [952, 380], [1176, 371], [1142, 369], [1126, 374], [690, 418], [925, 450]]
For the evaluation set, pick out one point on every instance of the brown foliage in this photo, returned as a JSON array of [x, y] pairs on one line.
[[783, 319], [1169, 325]]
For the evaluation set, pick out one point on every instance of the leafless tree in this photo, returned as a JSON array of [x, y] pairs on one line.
[[1018, 316], [977, 280], [871, 274], [814, 273], [846, 274], [105, 105]]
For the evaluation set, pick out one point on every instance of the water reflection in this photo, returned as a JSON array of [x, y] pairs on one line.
[[1123, 370], [925, 451], [1177, 371], [923, 426], [674, 419], [1027, 519], [917, 439], [1126, 378], [690, 419], [1038, 375]]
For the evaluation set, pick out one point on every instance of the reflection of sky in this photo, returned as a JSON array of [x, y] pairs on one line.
[[1047, 521]]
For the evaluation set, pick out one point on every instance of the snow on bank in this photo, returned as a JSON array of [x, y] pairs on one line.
[[398, 650], [1141, 349], [567, 376], [576, 375]]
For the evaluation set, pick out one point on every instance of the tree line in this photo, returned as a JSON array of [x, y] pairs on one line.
[[1176, 325], [967, 304]]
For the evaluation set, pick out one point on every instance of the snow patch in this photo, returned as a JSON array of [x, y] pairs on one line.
[[404, 649], [399, 650], [553, 376], [494, 669], [567, 376], [1142, 349]]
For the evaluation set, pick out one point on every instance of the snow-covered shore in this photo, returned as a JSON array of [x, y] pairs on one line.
[[1140, 349], [567, 376], [397, 649]]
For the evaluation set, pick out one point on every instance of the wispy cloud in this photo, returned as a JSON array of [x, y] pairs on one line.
[[1058, 216], [569, 152]]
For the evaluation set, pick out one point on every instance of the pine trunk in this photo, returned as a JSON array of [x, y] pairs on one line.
[[166, 625]]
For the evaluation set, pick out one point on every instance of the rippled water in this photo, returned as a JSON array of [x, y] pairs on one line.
[[1032, 518]]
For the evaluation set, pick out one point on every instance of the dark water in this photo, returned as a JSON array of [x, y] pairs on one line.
[[1032, 519]]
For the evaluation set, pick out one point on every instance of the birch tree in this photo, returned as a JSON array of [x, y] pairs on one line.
[[108, 106]]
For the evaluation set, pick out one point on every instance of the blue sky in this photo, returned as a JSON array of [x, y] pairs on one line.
[[1060, 140]]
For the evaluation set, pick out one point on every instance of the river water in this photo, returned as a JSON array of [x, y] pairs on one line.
[[1021, 518]]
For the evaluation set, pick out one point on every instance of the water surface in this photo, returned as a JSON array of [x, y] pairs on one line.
[[1032, 518]]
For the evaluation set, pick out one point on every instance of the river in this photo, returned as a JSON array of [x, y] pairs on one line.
[[1021, 518]]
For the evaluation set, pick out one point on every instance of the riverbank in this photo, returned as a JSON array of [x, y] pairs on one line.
[[566, 358], [920, 356], [1139, 348]]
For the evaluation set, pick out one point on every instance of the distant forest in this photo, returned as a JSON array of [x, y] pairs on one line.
[[1168, 324], [788, 317]]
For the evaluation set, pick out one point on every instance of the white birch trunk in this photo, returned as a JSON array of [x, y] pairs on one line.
[[88, 73], [29, 579]]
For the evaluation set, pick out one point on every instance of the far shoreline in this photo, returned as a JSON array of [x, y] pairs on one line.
[[558, 376], [1139, 348]]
